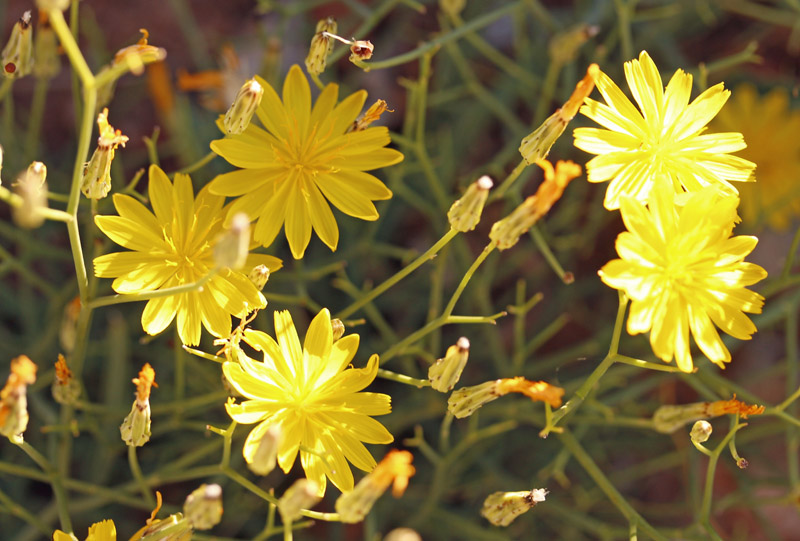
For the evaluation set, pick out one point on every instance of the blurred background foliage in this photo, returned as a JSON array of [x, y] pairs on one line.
[[485, 77]]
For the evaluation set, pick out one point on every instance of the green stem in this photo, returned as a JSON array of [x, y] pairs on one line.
[[136, 470], [467, 276], [508, 181], [474, 24], [196, 165], [55, 482], [611, 492], [708, 489], [427, 256], [401, 378]]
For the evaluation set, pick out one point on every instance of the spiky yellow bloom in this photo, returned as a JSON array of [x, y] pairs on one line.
[[313, 396], [685, 273], [303, 157], [770, 127], [99, 531], [663, 138], [175, 246]]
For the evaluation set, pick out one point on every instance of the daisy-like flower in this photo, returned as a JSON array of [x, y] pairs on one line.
[[684, 273], [304, 156], [175, 246], [311, 394], [663, 138], [770, 127]]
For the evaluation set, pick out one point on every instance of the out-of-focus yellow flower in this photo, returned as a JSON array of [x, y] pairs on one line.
[[771, 129], [99, 531], [663, 139], [304, 157], [175, 246], [684, 273], [14, 397], [313, 396]]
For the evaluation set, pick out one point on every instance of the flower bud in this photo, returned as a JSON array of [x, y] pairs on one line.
[[321, 46], [96, 181], [507, 231], [17, 56], [501, 508], [371, 115], [259, 276], [14, 397], [203, 507], [536, 146], [361, 50], [65, 388], [136, 56], [301, 495], [445, 372], [173, 528], [395, 469], [402, 534], [338, 328], [233, 245], [465, 213], [701, 431], [266, 455], [60, 5], [241, 112], [135, 429], [32, 188], [45, 50]]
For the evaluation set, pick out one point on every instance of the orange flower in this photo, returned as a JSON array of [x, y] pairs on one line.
[[146, 380], [535, 390]]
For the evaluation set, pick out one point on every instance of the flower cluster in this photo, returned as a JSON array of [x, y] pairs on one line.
[[683, 271]]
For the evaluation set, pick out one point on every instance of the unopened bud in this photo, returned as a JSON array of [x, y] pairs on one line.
[[321, 46], [402, 534], [65, 388], [445, 372], [338, 328], [701, 431], [46, 5], [395, 469], [233, 245], [303, 494], [14, 397], [17, 56], [32, 188], [135, 429], [361, 50], [259, 276], [536, 146], [501, 508], [507, 231], [96, 181], [465, 213], [265, 457], [241, 112], [203, 507], [45, 50]]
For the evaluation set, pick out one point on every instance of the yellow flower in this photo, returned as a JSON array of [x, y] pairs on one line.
[[313, 396], [99, 531], [665, 139], [304, 157], [175, 247], [771, 129], [685, 273]]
